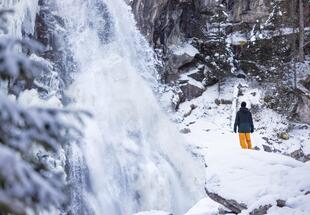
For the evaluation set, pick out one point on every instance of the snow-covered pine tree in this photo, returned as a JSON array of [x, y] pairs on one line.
[[28, 181]]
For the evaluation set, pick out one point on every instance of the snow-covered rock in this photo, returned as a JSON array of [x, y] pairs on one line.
[[180, 55]]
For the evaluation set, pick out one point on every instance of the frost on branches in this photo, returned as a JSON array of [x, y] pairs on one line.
[[28, 135]]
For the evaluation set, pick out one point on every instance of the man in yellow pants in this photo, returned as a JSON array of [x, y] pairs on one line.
[[244, 122]]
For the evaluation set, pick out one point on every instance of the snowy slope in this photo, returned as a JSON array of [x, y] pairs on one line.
[[209, 116], [255, 178], [251, 177]]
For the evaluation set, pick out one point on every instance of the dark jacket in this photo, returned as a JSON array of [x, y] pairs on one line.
[[244, 121]]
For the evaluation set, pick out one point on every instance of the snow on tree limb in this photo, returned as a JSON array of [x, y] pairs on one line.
[[26, 181], [22, 187], [22, 127], [15, 64], [29, 135]]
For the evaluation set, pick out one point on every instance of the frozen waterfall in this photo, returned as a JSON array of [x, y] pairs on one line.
[[136, 159]]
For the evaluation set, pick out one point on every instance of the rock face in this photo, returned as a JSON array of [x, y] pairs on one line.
[[303, 109], [181, 25], [255, 39], [49, 30]]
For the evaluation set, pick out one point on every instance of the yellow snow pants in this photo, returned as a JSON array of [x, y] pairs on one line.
[[245, 140]]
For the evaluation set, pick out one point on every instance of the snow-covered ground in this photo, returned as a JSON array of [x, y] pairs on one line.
[[211, 117], [248, 176], [253, 177]]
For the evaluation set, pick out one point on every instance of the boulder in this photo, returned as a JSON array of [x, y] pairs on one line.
[[300, 155], [185, 130], [261, 210], [192, 107], [198, 76], [281, 203], [223, 101], [191, 91], [267, 148], [226, 102], [283, 135], [180, 55], [256, 148], [210, 77]]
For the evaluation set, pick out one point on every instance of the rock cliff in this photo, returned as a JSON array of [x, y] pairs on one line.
[[202, 42]]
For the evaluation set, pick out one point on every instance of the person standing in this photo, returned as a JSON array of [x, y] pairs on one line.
[[244, 123]]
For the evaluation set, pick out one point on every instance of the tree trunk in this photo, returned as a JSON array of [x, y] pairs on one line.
[[301, 31]]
